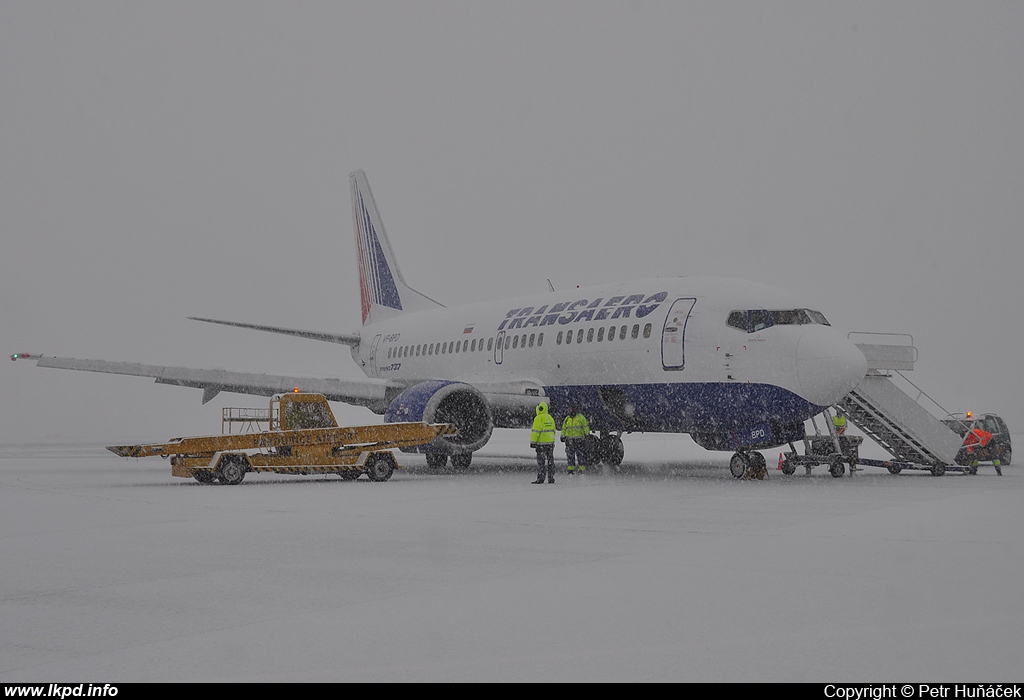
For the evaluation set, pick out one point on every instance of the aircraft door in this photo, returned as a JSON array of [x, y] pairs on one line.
[[373, 354], [672, 335], [499, 348]]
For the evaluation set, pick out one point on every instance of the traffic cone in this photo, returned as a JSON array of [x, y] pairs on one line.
[[779, 468]]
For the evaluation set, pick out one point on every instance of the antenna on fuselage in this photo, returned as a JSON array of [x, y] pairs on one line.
[[550, 286]]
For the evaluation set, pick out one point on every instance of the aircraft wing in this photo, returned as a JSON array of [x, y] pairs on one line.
[[351, 339], [368, 392]]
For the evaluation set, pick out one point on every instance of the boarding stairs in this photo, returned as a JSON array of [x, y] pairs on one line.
[[887, 414]]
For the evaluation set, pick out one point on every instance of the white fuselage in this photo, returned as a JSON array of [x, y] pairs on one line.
[[653, 354]]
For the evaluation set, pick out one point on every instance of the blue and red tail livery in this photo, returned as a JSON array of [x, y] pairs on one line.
[[383, 292], [376, 283]]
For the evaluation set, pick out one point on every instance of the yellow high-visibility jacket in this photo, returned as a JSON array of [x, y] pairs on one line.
[[575, 427], [543, 426]]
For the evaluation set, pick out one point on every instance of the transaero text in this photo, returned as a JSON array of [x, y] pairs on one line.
[[600, 309]]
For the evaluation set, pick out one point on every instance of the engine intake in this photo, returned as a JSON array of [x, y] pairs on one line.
[[445, 402]]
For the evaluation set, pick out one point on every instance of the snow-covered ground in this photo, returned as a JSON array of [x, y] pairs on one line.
[[112, 570]]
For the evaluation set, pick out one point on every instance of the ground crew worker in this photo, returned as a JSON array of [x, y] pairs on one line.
[[542, 439], [839, 426], [976, 437], [574, 429]]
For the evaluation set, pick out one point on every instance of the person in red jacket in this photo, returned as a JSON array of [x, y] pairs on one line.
[[978, 438]]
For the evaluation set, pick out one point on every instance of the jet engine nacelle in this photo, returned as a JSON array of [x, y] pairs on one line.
[[445, 402]]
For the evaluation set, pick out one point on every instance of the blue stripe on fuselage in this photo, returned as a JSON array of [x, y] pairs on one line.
[[685, 406]]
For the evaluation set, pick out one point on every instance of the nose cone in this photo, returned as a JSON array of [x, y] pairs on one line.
[[828, 365]]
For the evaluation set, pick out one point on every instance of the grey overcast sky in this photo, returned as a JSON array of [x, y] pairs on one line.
[[166, 159]]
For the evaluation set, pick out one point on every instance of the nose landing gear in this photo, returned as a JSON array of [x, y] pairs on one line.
[[748, 465]]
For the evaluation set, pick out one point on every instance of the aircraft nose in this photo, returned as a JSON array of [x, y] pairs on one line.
[[828, 365]]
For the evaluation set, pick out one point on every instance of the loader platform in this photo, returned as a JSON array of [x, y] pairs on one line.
[[302, 438]]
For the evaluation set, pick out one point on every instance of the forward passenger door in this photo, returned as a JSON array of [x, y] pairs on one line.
[[673, 355]]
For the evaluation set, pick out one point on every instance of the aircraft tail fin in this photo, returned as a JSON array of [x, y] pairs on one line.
[[382, 288]]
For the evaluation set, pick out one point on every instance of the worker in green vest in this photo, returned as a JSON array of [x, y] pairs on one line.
[[574, 429], [839, 423], [542, 439]]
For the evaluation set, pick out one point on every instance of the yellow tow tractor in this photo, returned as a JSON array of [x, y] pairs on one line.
[[302, 438]]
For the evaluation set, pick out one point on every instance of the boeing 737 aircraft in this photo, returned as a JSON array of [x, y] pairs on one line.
[[738, 365]]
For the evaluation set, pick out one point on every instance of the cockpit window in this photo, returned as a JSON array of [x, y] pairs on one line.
[[818, 317], [797, 317], [758, 319], [738, 319]]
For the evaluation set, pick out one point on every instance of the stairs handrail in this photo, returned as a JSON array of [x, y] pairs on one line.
[[921, 392]]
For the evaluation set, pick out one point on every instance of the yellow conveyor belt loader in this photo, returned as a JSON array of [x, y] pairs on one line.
[[303, 438]]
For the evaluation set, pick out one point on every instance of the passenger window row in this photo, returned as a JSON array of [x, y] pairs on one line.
[[450, 348], [515, 341], [602, 336]]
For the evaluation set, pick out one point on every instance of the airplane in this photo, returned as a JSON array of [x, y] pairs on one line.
[[737, 365]]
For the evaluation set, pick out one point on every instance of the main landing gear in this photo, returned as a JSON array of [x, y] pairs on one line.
[[748, 465], [460, 462], [611, 450], [606, 449]]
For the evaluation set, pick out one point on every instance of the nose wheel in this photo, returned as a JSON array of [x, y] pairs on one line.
[[748, 465], [836, 467]]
